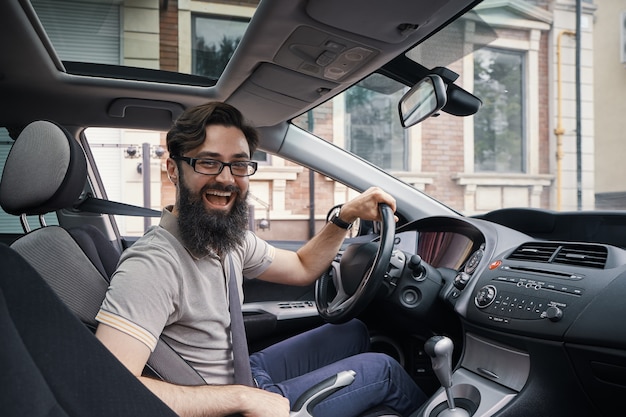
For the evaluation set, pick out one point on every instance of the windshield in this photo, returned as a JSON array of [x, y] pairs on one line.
[[527, 146]]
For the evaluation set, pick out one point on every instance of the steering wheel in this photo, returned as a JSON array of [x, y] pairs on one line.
[[357, 276]]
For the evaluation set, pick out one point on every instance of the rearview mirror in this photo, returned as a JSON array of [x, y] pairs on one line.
[[424, 99]]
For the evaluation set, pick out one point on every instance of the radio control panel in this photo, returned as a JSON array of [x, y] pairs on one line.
[[509, 299]]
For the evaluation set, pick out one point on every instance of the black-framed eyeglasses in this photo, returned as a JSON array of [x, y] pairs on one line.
[[215, 167]]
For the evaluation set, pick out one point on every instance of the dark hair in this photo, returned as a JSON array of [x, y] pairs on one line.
[[189, 130]]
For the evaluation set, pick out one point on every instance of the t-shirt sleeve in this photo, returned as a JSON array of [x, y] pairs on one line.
[[258, 256], [142, 297]]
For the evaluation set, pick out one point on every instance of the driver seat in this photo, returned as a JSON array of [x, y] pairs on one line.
[[46, 171]]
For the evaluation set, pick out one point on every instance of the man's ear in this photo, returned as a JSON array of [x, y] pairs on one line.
[[172, 171]]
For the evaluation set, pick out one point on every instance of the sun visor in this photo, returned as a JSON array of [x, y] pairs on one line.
[[401, 18], [290, 83], [279, 91]]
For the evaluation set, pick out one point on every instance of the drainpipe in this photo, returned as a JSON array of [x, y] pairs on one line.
[[559, 131], [579, 128], [310, 126], [145, 174]]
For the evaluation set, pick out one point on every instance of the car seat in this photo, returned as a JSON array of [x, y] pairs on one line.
[[51, 364], [46, 171]]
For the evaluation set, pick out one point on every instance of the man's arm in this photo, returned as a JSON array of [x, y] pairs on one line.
[[205, 400], [311, 260]]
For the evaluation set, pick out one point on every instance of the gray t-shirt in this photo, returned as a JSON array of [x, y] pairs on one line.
[[161, 289]]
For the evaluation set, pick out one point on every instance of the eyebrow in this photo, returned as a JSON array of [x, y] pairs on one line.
[[215, 155]]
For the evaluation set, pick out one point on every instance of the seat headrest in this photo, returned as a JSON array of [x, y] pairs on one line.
[[45, 171]]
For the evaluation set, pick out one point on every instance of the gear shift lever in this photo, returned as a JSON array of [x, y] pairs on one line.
[[440, 348]]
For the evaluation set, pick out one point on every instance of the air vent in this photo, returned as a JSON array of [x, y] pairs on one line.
[[589, 256], [535, 252]]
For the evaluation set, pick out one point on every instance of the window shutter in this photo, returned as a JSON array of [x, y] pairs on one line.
[[95, 34]]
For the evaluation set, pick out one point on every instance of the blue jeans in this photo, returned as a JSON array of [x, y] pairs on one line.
[[294, 365]]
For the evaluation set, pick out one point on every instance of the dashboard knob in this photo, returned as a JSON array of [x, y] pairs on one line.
[[461, 279], [485, 296], [553, 313], [417, 269]]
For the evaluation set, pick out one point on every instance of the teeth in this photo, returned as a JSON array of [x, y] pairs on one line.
[[220, 193]]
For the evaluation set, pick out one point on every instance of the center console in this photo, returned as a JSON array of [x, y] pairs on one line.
[[488, 378]]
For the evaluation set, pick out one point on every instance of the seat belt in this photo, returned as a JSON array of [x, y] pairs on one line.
[[241, 357], [100, 206]]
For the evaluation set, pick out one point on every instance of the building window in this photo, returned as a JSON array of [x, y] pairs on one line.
[[87, 32], [499, 143], [214, 41], [373, 129], [261, 157]]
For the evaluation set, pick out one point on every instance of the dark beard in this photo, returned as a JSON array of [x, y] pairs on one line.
[[203, 230]]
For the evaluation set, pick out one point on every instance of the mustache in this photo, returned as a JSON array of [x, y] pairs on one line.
[[220, 187]]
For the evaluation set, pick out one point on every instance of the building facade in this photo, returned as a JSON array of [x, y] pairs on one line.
[[519, 150]]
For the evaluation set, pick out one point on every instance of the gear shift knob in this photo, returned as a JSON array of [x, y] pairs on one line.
[[440, 348]]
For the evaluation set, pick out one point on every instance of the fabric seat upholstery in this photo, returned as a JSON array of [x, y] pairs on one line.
[[45, 171], [51, 364]]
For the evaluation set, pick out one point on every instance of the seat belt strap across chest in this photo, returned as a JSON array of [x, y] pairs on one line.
[[241, 358]]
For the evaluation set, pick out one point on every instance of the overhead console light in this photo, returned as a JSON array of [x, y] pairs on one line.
[[347, 62], [322, 55]]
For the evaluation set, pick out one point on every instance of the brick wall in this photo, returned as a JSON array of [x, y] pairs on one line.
[[168, 53], [168, 60], [442, 155], [297, 198]]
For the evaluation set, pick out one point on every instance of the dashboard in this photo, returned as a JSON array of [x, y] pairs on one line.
[[557, 303], [510, 281]]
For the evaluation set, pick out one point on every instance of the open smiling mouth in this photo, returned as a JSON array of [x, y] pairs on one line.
[[219, 199]]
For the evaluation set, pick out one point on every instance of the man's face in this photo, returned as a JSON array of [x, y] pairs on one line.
[[219, 192], [212, 209]]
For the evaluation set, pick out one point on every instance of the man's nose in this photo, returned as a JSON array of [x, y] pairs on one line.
[[226, 175]]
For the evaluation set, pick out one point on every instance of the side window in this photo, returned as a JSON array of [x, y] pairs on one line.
[[289, 202], [282, 206], [10, 224], [119, 155]]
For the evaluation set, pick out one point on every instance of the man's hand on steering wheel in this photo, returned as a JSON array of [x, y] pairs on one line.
[[365, 206], [360, 273]]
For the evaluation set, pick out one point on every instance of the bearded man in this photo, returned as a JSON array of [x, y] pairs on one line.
[[173, 284]]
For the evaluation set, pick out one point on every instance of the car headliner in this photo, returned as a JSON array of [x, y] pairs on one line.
[[263, 79]]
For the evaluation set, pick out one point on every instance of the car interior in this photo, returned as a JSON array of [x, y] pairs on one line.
[[509, 313]]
